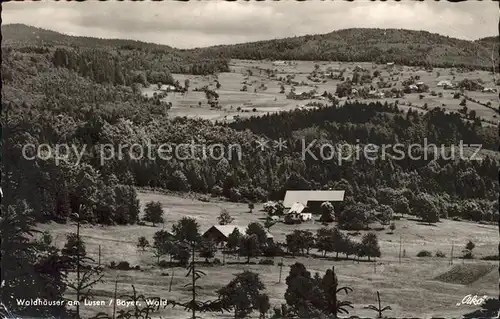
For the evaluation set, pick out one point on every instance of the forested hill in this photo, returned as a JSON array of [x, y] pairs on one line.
[[20, 35], [369, 45], [493, 40], [354, 45]]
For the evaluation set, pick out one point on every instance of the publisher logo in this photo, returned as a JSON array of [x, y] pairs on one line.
[[471, 300]]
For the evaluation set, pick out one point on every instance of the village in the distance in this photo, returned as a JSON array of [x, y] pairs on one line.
[[352, 174]]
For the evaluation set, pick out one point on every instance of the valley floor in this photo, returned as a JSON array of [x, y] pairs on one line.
[[409, 287], [263, 93]]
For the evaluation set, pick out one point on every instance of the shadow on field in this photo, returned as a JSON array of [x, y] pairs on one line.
[[240, 263], [426, 224], [333, 258]]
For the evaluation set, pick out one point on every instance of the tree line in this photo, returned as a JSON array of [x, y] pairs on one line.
[[126, 68]]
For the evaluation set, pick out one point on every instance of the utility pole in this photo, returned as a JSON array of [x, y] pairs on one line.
[[375, 265], [400, 246], [193, 278], [78, 244], [99, 259], [171, 280], [281, 267], [114, 303], [451, 255]]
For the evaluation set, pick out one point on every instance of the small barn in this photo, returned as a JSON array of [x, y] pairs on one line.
[[299, 212], [220, 233]]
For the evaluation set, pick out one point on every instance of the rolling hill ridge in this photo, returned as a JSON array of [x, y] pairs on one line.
[[406, 47]]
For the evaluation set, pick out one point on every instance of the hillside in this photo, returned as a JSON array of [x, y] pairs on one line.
[[354, 45], [19, 35], [375, 45]]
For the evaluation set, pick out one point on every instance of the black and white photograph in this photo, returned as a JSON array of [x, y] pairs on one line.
[[250, 159]]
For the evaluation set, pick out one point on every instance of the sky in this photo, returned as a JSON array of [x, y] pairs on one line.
[[204, 23]]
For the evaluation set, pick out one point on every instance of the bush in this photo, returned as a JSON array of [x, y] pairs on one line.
[[216, 261], [289, 221], [141, 223], [424, 253], [440, 254], [396, 217], [123, 265], [112, 265], [137, 267], [164, 274], [456, 218], [266, 262], [468, 255], [273, 250], [204, 199], [163, 264]]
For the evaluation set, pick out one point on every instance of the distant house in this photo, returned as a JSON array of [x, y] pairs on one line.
[[445, 83], [489, 90], [413, 88], [167, 88], [220, 233], [359, 68], [279, 63], [295, 95], [311, 199], [375, 94], [270, 206]]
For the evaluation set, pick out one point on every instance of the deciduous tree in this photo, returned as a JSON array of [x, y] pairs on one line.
[[153, 213]]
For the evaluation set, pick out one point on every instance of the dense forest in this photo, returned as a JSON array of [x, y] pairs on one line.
[[123, 61]]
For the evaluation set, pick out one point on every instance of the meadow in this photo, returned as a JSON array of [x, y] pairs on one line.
[[258, 101], [409, 286]]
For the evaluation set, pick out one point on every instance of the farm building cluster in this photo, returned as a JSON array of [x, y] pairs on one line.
[[300, 205]]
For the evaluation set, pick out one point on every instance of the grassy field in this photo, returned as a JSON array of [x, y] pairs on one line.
[[410, 287], [271, 100]]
